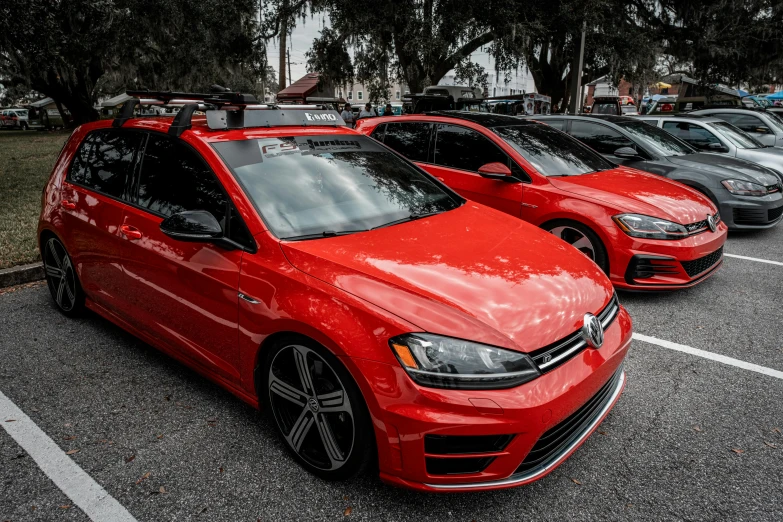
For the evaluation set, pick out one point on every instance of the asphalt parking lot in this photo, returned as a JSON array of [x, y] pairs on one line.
[[692, 438]]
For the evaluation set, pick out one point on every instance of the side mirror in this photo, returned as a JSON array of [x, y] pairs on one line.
[[495, 170], [762, 130], [626, 152], [192, 225], [717, 147]]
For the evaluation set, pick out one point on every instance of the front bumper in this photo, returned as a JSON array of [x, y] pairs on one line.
[[752, 213], [528, 414], [659, 265]]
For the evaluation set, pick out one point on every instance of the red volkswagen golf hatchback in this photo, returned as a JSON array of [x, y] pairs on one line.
[[380, 318], [644, 231]]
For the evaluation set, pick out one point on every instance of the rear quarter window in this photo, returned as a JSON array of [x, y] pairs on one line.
[[104, 160]]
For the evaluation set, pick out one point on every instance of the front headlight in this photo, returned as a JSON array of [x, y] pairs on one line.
[[744, 188], [648, 227], [444, 362]]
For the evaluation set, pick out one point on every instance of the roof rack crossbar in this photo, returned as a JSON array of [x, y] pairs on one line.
[[127, 112], [214, 98], [182, 121]]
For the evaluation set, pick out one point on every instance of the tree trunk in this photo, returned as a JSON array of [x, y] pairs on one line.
[[283, 43]]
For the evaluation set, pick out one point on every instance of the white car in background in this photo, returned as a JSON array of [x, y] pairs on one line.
[[14, 119], [711, 134]]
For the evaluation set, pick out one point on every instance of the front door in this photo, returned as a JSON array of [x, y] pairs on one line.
[[185, 293], [458, 154]]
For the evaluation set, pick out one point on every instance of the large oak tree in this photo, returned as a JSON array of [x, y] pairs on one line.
[[68, 49]]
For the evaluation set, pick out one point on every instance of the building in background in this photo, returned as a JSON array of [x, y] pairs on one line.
[[519, 83], [358, 93]]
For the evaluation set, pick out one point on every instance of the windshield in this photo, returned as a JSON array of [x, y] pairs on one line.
[[738, 137], [552, 152], [326, 185], [656, 139], [777, 121]]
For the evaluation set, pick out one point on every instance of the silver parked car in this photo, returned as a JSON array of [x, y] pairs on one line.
[[762, 125], [711, 134]]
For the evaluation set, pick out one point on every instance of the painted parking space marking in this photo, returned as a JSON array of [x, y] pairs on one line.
[[756, 259], [72, 480], [709, 355]]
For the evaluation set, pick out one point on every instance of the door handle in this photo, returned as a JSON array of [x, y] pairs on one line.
[[130, 232], [70, 205]]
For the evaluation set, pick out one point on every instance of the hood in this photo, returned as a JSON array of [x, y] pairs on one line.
[[472, 273], [725, 166], [633, 191], [770, 157]]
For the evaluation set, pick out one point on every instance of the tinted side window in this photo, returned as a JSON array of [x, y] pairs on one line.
[[600, 138], [104, 161], [746, 122], [174, 178], [378, 132], [465, 149], [696, 135], [412, 140]]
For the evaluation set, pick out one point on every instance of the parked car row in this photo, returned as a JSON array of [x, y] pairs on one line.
[[432, 294]]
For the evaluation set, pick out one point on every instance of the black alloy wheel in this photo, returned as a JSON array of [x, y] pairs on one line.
[[318, 410], [61, 277], [582, 238]]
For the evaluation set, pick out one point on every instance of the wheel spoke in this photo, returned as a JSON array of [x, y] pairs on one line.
[[287, 392], [583, 243], [333, 402], [54, 272], [300, 429], [53, 250], [329, 442], [304, 372], [60, 289]]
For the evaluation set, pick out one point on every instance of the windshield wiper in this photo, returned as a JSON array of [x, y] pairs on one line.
[[325, 233], [412, 217]]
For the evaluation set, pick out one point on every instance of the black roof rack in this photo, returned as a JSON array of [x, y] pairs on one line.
[[214, 98], [227, 110]]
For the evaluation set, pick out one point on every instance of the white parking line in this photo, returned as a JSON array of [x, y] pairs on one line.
[[754, 259], [60, 468], [709, 355]]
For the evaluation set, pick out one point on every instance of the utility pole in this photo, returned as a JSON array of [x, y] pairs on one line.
[[283, 43], [576, 85], [289, 67]]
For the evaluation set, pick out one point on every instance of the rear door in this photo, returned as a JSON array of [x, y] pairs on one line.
[[93, 200], [185, 293]]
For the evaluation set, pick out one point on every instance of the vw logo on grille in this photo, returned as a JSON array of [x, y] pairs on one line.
[[593, 331], [711, 223]]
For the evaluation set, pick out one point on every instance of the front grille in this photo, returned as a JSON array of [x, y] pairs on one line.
[[775, 213], [457, 466], [697, 266], [554, 442], [550, 357], [701, 226], [465, 444], [750, 216]]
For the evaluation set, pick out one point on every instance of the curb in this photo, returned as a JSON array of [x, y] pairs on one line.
[[17, 275]]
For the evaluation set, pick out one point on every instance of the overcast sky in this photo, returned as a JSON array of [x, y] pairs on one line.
[[302, 39]]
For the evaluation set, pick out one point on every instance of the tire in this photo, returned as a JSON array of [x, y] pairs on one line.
[[61, 277], [582, 238], [318, 410], [24, 126]]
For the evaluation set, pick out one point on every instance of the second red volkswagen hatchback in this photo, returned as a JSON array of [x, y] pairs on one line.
[[380, 317], [644, 231]]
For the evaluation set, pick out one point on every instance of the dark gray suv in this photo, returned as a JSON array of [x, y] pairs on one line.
[[748, 195]]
